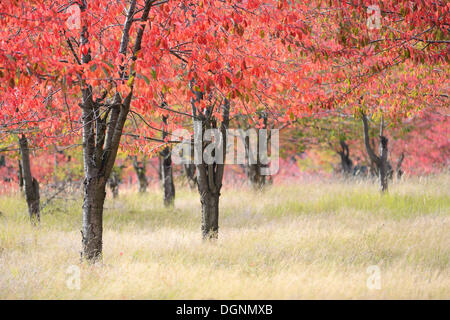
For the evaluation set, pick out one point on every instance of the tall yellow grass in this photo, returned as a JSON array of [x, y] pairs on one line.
[[303, 240]]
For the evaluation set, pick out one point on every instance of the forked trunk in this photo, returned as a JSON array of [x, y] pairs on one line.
[[209, 175], [103, 122], [30, 183], [381, 161]]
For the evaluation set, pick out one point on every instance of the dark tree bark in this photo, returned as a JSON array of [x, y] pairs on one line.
[[209, 176], [103, 123], [255, 179], [360, 171], [3, 164], [253, 164], [399, 170], [166, 172], [20, 175], [381, 160], [191, 176], [383, 165], [253, 172], [140, 169], [190, 172], [160, 171], [31, 184], [346, 162], [113, 183], [373, 169], [100, 144]]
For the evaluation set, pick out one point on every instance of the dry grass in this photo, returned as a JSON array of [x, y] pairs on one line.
[[309, 240]]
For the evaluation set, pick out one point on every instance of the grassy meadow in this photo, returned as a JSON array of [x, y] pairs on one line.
[[299, 240]]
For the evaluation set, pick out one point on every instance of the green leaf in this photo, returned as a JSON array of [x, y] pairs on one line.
[[130, 81], [105, 71], [153, 73], [109, 64], [291, 115]]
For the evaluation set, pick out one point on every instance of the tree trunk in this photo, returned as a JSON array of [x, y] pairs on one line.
[[20, 175], [140, 169], [113, 183], [373, 170], [160, 172], [210, 215], [142, 180], [31, 184], [209, 176], [256, 180], [346, 162], [399, 166], [103, 121], [100, 146], [94, 199], [381, 161], [189, 172], [68, 173], [115, 191], [166, 172], [167, 178], [253, 165], [383, 167], [252, 169]]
